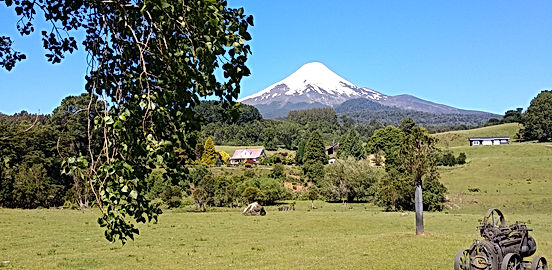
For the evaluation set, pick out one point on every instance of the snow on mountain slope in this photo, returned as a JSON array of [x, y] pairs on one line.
[[316, 86], [312, 83]]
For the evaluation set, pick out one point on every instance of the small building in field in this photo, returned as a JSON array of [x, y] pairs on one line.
[[251, 156], [476, 141]]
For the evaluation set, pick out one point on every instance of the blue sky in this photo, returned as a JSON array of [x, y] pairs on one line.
[[483, 55]]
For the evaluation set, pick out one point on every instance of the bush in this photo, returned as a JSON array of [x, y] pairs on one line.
[[461, 159], [174, 202], [172, 196], [396, 192], [200, 197], [278, 171], [446, 158], [252, 194], [314, 172], [350, 180], [434, 194], [249, 173]]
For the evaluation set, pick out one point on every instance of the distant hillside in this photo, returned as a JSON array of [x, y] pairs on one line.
[[426, 119], [358, 104], [279, 110], [460, 137]]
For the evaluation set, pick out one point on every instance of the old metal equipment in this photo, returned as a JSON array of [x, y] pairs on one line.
[[502, 247]]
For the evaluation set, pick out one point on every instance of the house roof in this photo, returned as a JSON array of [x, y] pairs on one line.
[[488, 138], [247, 153]]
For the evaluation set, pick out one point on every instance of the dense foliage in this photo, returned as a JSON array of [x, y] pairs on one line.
[[410, 160], [430, 120], [151, 62], [30, 175], [350, 145], [537, 121], [350, 180]]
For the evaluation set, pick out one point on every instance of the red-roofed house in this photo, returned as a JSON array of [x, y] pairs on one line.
[[247, 155]]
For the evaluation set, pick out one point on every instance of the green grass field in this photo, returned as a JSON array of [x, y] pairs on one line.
[[460, 137], [515, 178]]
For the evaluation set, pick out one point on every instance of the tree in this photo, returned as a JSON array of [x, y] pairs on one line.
[[252, 194], [461, 159], [225, 157], [278, 171], [351, 146], [151, 62], [406, 125], [335, 182], [513, 116], [315, 152], [537, 121], [493, 122], [288, 133], [300, 152], [314, 158], [350, 179], [312, 195], [200, 197], [417, 156], [388, 140], [71, 120], [209, 155], [394, 191]]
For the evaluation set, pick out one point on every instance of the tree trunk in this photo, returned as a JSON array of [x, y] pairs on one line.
[[312, 204], [419, 205]]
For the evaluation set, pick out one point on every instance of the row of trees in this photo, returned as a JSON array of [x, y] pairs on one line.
[[273, 134]]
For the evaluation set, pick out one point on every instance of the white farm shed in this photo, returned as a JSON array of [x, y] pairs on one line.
[[476, 141]]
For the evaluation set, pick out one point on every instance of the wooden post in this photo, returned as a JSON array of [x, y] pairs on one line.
[[419, 205]]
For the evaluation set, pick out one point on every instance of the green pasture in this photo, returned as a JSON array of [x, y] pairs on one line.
[[334, 236], [515, 178], [460, 137]]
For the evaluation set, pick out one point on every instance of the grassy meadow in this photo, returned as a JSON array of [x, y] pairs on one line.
[[460, 137], [515, 178]]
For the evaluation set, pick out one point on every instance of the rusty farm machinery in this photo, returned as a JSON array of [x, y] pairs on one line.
[[503, 247]]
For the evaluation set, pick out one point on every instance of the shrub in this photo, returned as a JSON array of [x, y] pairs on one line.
[[172, 196], [278, 171], [200, 197], [461, 159], [252, 194]]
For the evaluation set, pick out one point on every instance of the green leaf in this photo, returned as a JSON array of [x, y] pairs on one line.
[[133, 194]]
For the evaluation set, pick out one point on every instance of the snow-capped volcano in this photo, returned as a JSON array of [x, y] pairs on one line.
[[316, 86], [312, 83]]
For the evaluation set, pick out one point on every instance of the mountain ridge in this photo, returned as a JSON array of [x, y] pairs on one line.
[[314, 85]]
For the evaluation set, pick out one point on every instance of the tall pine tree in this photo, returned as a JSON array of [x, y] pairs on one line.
[[351, 146], [314, 158], [209, 155]]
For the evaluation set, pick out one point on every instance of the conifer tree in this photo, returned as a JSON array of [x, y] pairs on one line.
[[314, 158], [315, 152], [209, 155], [351, 146]]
